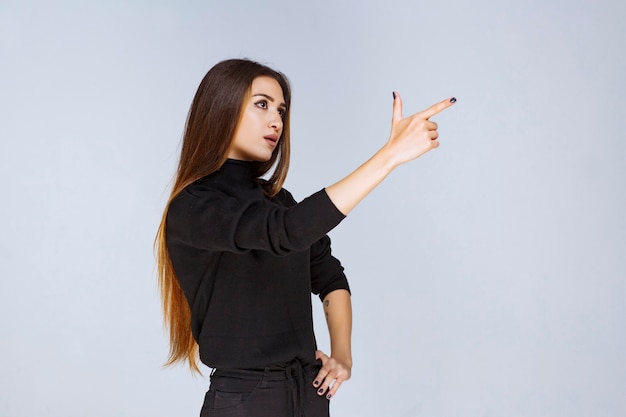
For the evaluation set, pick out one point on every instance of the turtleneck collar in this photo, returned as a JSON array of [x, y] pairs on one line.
[[237, 171]]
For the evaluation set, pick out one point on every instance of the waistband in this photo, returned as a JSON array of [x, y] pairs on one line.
[[276, 372]]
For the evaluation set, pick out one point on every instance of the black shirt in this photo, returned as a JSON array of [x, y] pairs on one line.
[[248, 264]]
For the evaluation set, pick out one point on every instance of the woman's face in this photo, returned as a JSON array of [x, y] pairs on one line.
[[261, 123]]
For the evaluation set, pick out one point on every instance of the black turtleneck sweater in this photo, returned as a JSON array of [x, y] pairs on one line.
[[248, 264]]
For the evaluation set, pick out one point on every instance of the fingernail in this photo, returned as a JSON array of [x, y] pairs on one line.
[[316, 383], [394, 95], [453, 100], [328, 396], [321, 390]]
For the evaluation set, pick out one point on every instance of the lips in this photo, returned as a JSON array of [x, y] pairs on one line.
[[271, 139]]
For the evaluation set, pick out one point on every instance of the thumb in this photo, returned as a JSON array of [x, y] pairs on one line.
[[397, 107]]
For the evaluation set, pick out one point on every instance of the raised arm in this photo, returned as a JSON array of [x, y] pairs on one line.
[[410, 138]]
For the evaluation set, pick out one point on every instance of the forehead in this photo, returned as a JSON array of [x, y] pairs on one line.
[[267, 85]]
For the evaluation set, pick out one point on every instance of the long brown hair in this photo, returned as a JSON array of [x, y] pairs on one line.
[[211, 124]]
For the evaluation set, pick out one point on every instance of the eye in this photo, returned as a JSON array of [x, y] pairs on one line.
[[282, 111], [261, 103]]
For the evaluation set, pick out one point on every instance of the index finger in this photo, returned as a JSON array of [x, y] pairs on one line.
[[436, 108]]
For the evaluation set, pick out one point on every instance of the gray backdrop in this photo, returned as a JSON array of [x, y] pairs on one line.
[[488, 276]]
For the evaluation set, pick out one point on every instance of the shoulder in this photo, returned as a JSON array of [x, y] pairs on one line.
[[203, 194], [200, 189]]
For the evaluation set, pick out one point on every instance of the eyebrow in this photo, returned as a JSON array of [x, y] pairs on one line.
[[270, 98]]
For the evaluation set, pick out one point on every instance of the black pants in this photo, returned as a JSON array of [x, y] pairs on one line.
[[276, 391]]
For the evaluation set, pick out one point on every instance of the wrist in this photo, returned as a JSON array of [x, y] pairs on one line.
[[343, 358], [385, 159]]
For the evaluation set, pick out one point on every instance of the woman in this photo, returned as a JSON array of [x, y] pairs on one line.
[[238, 258]]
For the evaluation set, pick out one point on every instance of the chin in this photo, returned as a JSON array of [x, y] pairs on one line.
[[263, 158]]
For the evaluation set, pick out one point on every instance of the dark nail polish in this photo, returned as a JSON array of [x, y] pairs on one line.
[[328, 396], [394, 95], [316, 383], [321, 390], [453, 100]]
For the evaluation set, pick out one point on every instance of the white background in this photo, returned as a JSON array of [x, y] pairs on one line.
[[488, 277]]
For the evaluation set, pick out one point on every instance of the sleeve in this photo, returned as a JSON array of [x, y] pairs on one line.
[[326, 271], [209, 219]]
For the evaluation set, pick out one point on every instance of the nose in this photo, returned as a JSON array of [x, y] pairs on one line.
[[276, 121]]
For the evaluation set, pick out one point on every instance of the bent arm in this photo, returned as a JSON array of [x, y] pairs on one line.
[[337, 367], [338, 311]]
